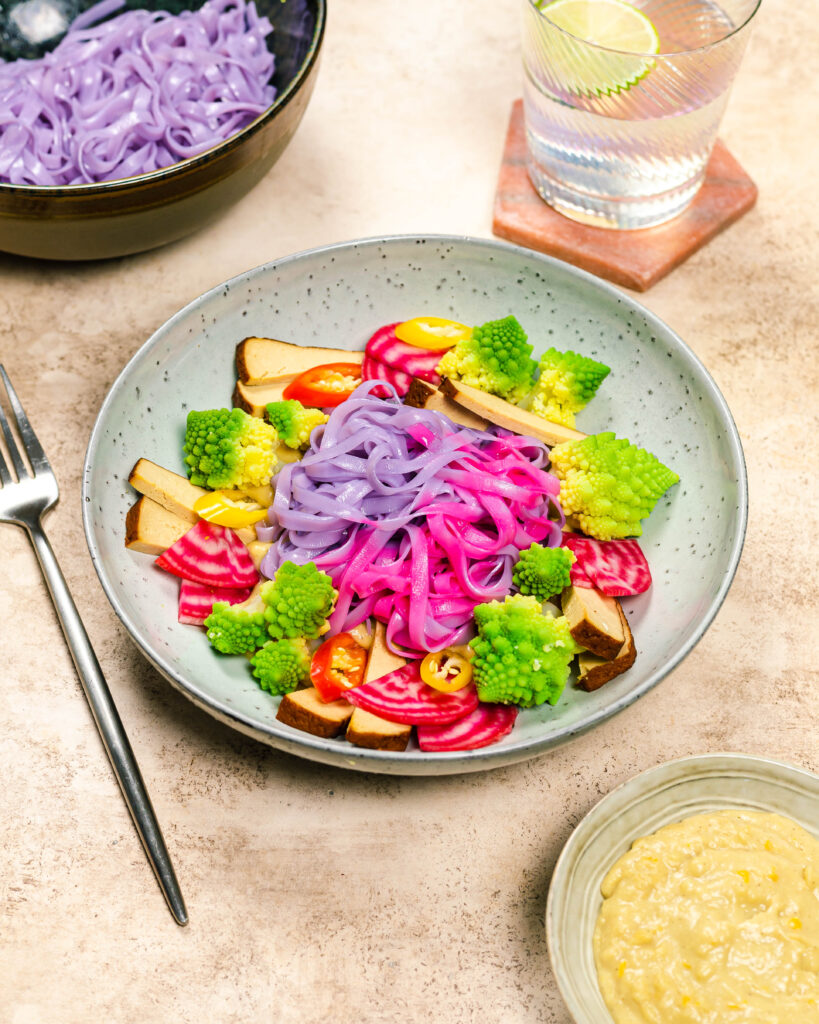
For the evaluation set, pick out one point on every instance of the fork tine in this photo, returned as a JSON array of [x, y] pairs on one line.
[[5, 476], [19, 466], [34, 449]]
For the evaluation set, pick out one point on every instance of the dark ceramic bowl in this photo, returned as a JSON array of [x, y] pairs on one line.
[[114, 218]]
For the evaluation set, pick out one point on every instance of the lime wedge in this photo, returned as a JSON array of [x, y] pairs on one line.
[[626, 38]]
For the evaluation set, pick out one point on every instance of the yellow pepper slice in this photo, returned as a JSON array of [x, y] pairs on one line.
[[446, 671], [218, 508], [432, 332]]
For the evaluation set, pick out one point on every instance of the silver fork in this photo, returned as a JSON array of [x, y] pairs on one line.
[[23, 502]]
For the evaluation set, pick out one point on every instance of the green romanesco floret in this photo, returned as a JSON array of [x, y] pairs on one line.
[[607, 484], [293, 422], [226, 448], [297, 600], [521, 655], [496, 358], [567, 382], [238, 628], [281, 665], [543, 572]]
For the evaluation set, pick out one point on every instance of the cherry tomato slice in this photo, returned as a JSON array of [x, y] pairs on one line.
[[338, 665], [433, 332], [324, 386]]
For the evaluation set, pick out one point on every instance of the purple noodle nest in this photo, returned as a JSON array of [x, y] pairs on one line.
[[132, 95]]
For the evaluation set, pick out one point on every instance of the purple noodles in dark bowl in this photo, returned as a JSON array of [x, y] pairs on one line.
[[150, 160]]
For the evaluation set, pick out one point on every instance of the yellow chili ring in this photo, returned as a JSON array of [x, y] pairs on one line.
[[432, 332], [219, 509], [446, 671]]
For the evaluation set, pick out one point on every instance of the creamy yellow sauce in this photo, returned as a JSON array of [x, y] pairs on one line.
[[713, 920]]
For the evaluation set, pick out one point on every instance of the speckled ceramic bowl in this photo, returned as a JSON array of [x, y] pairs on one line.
[[89, 222], [658, 394], [641, 806]]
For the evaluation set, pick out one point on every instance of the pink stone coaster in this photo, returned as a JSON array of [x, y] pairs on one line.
[[634, 259]]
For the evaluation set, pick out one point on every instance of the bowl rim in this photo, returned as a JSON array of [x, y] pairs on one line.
[[668, 773], [191, 163], [411, 761]]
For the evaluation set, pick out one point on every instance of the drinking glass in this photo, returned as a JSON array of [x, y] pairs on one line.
[[618, 138]]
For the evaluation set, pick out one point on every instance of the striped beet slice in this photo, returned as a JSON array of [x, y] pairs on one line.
[[617, 568], [374, 369], [402, 696], [196, 600], [485, 725], [578, 576], [398, 355], [210, 554]]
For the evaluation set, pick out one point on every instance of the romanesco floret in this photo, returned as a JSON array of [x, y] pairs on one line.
[[237, 628], [607, 484], [281, 665], [293, 422], [567, 382], [297, 600], [226, 448], [521, 655], [543, 572], [496, 358]]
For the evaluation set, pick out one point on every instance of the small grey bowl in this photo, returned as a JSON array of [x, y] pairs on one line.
[[639, 807]]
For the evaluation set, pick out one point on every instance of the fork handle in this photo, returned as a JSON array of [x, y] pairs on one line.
[[109, 725]]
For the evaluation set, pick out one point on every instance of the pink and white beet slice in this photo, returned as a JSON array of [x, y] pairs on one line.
[[617, 568], [196, 600], [212, 555], [487, 724], [402, 696], [411, 360]]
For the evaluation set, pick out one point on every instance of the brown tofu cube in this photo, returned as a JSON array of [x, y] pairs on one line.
[[368, 730], [254, 399], [594, 672], [381, 659], [422, 395], [151, 528], [174, 492], [504, 414], [594, 620], [305, 710], [268, 361]]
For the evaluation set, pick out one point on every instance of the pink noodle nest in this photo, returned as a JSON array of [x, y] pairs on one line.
[[140, 92]]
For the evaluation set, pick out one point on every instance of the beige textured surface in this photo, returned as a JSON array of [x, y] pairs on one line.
[[317, 895]]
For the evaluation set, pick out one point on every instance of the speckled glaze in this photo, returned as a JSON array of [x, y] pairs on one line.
[[639, 807], [100, 221], [658, 394]]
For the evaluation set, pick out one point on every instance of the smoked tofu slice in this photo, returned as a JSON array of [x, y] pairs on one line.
[[504, 414], [151, 528], [593, 671], [254, 400], [174, 492], [594, 620], [267, 361], [381, 659], [366, 729], [424, 396], [304, 710]]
